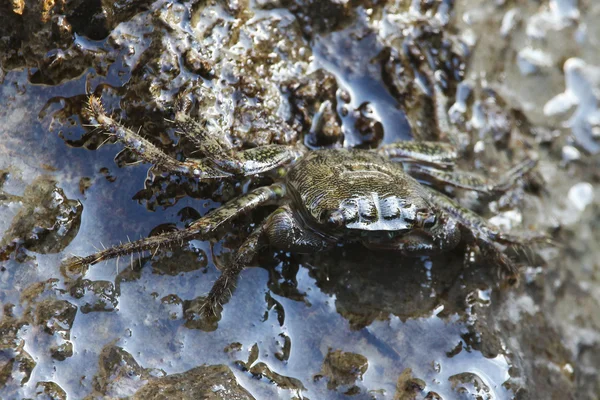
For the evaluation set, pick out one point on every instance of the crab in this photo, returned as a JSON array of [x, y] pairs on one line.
[[383, 198]]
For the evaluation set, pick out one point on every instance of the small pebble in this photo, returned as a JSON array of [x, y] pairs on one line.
[[508, 219], [581, 194], [479, 146], [570, 153], [509, 21]]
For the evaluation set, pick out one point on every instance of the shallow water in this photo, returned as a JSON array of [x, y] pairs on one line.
[[349, 323]]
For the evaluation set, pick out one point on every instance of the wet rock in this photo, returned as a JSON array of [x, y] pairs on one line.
[[119, 374], [33, 293], [548, 349], [320, 15], [343, 369], [255, 126], [6, 198], [210, 382], [260, 370], [41, 35], [246, 64], [112, 13], [35, 27], [496, 120], [286, 347], [9, 326], [368, 128], [582, 82], [409, 387], [55, 316], [44, 33], [96, 295], [367, 109], [468, 384], [50, 391], [11, 352], [16, 368], [326, 128], [199, 63], [233, 347], [173, 304], [62, 351], [174, 263], [196, 318], [423, 67], [313, 101], [585, 372], [46, 222]]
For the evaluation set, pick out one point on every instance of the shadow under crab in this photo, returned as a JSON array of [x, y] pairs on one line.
[[325, 198], [368, 286]]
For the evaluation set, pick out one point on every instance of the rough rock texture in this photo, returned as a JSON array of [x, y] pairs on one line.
[[210, 382], [502, 80]]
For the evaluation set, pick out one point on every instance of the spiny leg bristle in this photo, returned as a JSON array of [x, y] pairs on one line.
[[95, 107], [75, 265]]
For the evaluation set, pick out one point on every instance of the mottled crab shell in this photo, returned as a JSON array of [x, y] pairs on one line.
[[355, 190]]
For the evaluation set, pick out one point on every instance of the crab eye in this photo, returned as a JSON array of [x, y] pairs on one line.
[[425, 218], [429, 222]]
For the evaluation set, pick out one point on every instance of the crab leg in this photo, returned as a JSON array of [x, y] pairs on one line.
[[475, 223], [281, 230], [200, 229], [441, 102], [147, 151], [422, 61], [213, 143], [220, 162], [219, 153], [223, 287], [257, 160], [482, 234], [471, 181], [437, 153]]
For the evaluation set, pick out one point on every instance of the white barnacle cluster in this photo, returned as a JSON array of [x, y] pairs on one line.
[[581, 97]]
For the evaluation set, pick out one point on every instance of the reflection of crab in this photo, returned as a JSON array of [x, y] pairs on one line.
[[325, 197]]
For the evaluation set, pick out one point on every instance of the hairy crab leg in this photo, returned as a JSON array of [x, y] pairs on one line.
[[223, 287], [213, 142], [484, 235], [219, 153], [437, 153], [260, 159], [281, 230], [441, 101], [147, 151], [220, 161], [201, 228], [217, 148], [444, 127], [472, 181], [477, 224]]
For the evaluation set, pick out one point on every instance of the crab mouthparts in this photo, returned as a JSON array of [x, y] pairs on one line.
[[384, 235]]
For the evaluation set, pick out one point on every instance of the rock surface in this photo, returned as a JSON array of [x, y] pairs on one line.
[[501, 80]]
